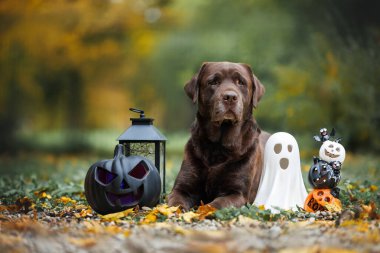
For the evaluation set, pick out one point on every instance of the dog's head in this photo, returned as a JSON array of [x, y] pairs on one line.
[[226, 92]]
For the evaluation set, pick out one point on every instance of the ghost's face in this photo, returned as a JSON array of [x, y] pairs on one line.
[[332, 151], [283, 150]]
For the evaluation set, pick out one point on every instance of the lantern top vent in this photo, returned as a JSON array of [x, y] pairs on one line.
[[141, 130]]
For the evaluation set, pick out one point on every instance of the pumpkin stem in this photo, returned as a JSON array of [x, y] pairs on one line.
[[119, 151]]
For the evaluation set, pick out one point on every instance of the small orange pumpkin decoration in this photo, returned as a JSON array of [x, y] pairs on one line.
[[322, 200]]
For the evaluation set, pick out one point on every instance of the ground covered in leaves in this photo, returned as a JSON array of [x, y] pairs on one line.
[[55, 217]]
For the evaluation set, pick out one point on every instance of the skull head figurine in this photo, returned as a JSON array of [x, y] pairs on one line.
[[332, 151]]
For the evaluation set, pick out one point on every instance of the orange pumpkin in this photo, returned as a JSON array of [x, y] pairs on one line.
[[322, 200]]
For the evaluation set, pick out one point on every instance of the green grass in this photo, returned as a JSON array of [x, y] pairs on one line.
[[50, 167]]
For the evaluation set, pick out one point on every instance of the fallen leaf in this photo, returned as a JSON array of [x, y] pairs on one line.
[[205, 211], [113, 229], [92, 227], [24, 224], [150, 217], [189, 216], [42, 195], [83, 242], [168, 211], [127, 233], [10, 240], [24, 204], [83, 213], [66, 200], [117, 216]]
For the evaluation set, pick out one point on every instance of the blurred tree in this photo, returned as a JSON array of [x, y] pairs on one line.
[[318, 60], [342, 60], [68, 64]]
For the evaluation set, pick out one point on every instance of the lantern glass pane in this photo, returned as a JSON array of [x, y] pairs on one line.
[[142, 149]]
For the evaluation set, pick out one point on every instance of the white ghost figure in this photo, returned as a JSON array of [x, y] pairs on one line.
[[281, 183]]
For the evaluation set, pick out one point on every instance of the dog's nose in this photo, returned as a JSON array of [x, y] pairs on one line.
[[230, 97]]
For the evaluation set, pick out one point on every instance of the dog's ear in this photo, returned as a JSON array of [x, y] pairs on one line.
[[192, 86], [258, 89]]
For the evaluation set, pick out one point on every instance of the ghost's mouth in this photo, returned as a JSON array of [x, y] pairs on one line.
[[284, 163], [331, 155]]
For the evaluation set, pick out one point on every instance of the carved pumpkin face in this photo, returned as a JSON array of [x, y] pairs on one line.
[[322, 175], [123, 182], [332, 151], [318, 199]]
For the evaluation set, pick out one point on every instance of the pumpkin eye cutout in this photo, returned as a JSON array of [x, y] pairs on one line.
[[290, 148], [338, 149], [277, 148], [139, 171], [104, 176], [331, 146]]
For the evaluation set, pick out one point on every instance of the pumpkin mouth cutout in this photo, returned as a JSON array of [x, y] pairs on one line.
[[331, 155], [130, 198]]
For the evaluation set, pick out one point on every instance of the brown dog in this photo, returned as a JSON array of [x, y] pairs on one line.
[[223, 159]]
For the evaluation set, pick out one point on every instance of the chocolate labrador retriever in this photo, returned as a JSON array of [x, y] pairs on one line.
[[223, 159]]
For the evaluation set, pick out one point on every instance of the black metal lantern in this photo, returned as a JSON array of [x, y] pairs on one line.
[[143, 139]]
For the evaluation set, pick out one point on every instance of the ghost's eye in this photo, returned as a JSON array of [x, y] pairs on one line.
[[290, 148], [277, 148]]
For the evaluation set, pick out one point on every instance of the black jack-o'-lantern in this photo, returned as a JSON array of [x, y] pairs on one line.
[[122, 182], [323, 174]]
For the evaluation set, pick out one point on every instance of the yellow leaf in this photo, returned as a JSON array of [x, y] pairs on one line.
[[83, 213], [189, 216], [80, 207], [127, 233], [168, 211], [66, 200], [373, 188], [113, 229], [261, 207], [83, 242], [150, 218], [116, 216], [92, 227], [205, 211], [44, 195]]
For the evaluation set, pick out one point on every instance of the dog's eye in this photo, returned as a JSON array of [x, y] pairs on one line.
[[240, 82], [213, 82]]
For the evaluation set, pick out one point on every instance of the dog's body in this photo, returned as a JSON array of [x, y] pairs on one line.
[[223, 158]]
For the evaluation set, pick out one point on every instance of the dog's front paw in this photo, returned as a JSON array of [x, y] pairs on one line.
[[178, 200]]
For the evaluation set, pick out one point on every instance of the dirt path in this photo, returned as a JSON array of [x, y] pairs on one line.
[[42, 233]]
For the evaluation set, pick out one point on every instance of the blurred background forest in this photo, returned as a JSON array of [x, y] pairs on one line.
[[70, 69]]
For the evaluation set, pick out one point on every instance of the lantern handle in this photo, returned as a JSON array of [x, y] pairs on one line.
[[142, 115]]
